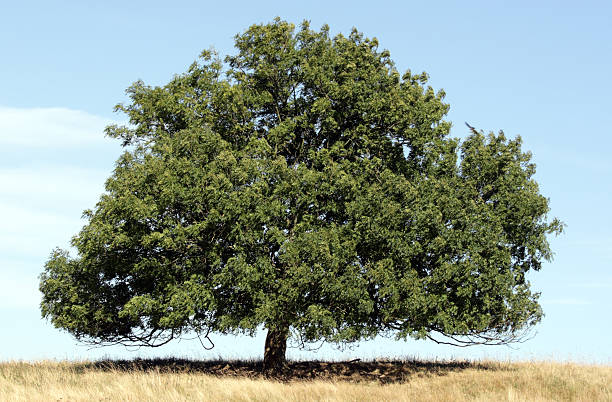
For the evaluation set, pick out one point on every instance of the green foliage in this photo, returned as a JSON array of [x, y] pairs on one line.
[[303, 183]]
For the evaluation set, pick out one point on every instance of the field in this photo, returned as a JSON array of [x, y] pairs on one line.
[[177, 380]]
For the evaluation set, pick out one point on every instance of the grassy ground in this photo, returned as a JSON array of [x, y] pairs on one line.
[[179, 380]]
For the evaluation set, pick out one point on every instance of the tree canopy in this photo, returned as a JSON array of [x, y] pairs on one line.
[[306, 186]]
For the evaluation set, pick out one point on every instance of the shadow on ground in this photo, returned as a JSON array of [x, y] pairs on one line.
[[383, 371]]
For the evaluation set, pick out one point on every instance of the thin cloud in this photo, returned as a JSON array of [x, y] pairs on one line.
[[41, 199], [41, 208], [51, 128], [28, 232], [17, 219], [52, 184], [19, 291]]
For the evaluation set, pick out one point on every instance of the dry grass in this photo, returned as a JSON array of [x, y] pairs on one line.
[[175, 380]]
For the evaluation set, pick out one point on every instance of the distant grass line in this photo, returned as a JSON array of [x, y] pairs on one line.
[[187, 380]]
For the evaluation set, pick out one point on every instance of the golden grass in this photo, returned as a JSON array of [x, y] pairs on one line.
[[482, 381]]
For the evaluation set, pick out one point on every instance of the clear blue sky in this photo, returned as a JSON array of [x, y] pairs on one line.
[[536, 69]]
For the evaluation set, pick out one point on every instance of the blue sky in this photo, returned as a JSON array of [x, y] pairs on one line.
[[541, 71]]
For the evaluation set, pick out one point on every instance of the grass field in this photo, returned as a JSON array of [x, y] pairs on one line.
[[179, 380]]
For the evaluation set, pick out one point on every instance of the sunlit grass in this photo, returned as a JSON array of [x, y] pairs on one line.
[[385, 381]]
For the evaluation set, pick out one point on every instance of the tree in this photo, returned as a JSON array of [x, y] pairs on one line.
[[305, 186]]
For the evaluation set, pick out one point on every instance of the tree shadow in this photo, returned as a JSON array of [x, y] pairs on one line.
[[381, 371]]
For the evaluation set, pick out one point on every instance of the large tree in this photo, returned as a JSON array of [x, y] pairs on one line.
[[306, 186]]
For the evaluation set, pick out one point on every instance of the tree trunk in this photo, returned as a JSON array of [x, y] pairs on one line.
[[274, 354]]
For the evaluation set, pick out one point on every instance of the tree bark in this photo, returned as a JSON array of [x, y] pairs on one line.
[[274, 353]]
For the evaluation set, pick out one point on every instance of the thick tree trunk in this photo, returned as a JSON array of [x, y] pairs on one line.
[[274, 353]]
